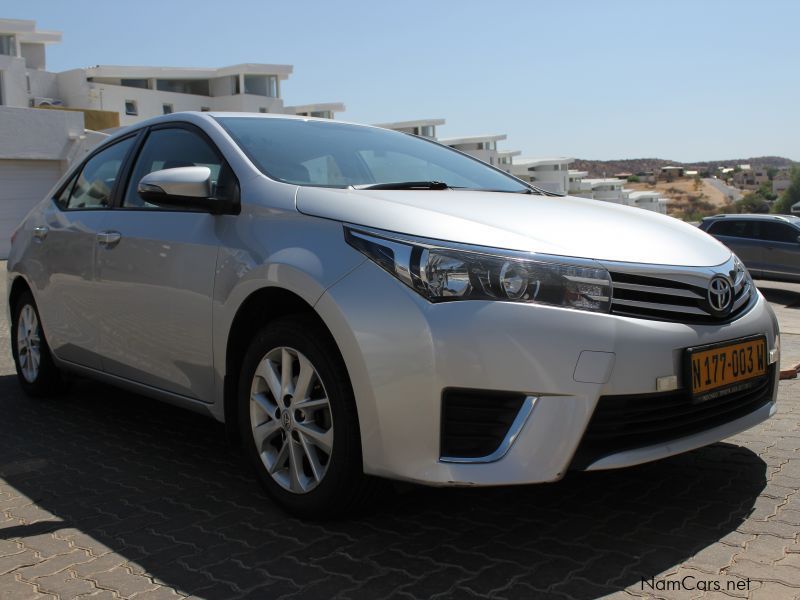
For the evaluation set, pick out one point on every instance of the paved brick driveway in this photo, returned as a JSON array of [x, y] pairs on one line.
[[108, 495]]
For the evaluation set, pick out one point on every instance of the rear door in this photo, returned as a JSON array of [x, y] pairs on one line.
[[781, 249], [62, 256], [741, 236], [158, 275]]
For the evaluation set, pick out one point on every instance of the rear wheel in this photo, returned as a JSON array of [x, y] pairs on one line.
[[298, 420], [36, 371]]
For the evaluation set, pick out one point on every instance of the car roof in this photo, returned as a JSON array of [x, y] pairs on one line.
[[755, 217]]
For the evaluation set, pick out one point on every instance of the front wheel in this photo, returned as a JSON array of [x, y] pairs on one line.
[[37, 373], [298, 420]]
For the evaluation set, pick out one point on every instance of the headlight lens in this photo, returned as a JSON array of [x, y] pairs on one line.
[[445, 274]]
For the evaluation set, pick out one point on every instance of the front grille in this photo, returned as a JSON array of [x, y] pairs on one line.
[[622, 423], [475, 422], [669, 299]]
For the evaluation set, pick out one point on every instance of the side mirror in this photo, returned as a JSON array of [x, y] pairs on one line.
[[182, 188]]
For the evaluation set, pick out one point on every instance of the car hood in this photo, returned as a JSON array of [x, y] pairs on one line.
[[561, 225]]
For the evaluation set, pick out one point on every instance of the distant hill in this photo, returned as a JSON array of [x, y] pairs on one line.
[[607, 168]]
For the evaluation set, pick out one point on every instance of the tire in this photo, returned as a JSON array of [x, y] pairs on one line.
[[306, 451], [36, 371]]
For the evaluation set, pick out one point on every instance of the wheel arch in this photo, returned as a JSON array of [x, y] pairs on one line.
[[18, 287], [250, 317]]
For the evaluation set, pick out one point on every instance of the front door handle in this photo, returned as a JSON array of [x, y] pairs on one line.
[[109, 239], [40, 233]]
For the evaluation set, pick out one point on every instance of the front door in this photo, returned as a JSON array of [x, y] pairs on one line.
[[157, 275]]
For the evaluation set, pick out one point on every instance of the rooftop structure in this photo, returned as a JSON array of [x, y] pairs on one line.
[[547, 173], [422, 127], [324, 110]]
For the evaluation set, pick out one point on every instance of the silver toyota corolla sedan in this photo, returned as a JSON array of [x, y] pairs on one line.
[[358, 304]]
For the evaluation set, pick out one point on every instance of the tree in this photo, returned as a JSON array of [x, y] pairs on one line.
[[765, 191], [752, 203], [633, 179], [790, 196]]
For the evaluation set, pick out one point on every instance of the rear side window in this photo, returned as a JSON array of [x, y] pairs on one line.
[[177, 147], [731, 228], [95, 183], [778, 232]]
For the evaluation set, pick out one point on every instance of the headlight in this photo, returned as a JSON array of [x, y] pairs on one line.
[[440, 273]]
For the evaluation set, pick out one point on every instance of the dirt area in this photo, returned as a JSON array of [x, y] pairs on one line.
[[688, 198]]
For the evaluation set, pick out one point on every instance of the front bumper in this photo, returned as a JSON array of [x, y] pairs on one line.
[[402, 352]]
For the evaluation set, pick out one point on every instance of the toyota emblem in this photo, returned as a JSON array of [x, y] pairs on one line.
[[720, 294]]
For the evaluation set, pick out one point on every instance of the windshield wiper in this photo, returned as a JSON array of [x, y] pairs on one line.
[[404, 185]]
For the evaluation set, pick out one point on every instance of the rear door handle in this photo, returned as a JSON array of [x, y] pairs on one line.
[[40, 233], [109, 239]]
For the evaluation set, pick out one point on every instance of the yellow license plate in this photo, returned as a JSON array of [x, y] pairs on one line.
[[713, 368]]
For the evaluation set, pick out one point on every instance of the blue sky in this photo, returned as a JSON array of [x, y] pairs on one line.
[[593, 79]]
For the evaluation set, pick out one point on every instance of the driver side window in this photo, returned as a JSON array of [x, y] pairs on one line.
[[172, 148]]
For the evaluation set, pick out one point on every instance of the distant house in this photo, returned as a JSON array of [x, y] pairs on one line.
[[323, 110], [751, 178], [670, 172], [781, 181], [551, 174], [422, 127], [649, 200], [482, 147], [576, 184], [796, 208]]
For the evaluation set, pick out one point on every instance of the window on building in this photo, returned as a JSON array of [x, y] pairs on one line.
[[135, 83], [262, 109], [261, 85], [321, 114], [28, 83], [204, 109], [428, 131], [166, 108], [131, 108], [198, 87], [8, 45]]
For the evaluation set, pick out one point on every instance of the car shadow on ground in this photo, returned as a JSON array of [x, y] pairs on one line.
[[160, 487], [774, 293]]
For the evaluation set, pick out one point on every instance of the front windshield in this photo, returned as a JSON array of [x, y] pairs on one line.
[[328, 154]]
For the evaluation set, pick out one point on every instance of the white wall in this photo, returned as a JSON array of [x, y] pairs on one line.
[[14, 87], [31, 133]]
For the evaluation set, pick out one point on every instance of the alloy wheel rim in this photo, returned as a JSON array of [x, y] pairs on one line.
[[28, 343], [291, 420]]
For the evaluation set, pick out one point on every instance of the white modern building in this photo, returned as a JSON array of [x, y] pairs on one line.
[[138, 93], [576, 184], [551, 174], [482, 147], [325, 110], [609, 189], [505, 158], [422, 127], [648, 200], [23, 61], [43, 114]]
